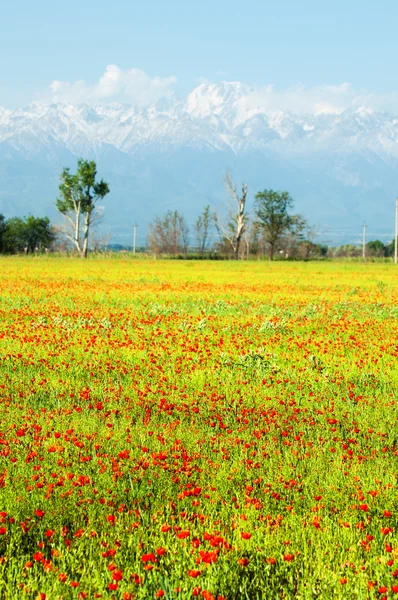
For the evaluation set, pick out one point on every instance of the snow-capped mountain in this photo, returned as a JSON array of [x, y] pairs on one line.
[[340, 166]]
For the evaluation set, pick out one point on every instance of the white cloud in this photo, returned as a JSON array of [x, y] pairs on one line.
[[301, 99], [317, 100], [132, 85]]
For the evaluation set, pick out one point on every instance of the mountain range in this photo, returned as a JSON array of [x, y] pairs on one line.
[[340, 166]]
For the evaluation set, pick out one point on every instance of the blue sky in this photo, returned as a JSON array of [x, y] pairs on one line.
[[283, 43]]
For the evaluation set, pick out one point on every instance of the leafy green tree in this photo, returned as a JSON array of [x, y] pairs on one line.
[[14, 236], [375, 248], [38, 233], [272, 211], [3, 228], [79, 194], [390, 248], [27, 235]]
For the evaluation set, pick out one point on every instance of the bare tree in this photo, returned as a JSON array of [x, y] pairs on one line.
[[234, 229], [309, 247], [169, 234], [293, 238], [100, 242], [203, 226]]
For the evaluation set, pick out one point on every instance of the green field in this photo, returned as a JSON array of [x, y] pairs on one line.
[[198, 429]]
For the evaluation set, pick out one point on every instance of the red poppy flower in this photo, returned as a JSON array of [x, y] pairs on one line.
[[208, 557], [288, 557], [148, 557], [38, 556], [183, 534], [79, 533], [194, 573], [246, 536]]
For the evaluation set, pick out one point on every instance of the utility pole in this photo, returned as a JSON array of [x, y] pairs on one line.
[[364, 242], [134, 237], [396, 233]]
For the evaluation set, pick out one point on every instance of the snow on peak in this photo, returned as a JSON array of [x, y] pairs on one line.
[[365, 111], [226, 114], [221, 99]]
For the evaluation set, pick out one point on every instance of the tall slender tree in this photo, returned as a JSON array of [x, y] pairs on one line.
[[79, 194], [234, 229], [203, 226]]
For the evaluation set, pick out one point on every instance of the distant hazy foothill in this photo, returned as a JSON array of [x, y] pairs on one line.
[[341, 168]]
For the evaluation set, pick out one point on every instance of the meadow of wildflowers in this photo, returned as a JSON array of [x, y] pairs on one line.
[[194, 429]]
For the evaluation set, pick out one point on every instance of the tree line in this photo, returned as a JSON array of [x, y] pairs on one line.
[[272, 230]]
